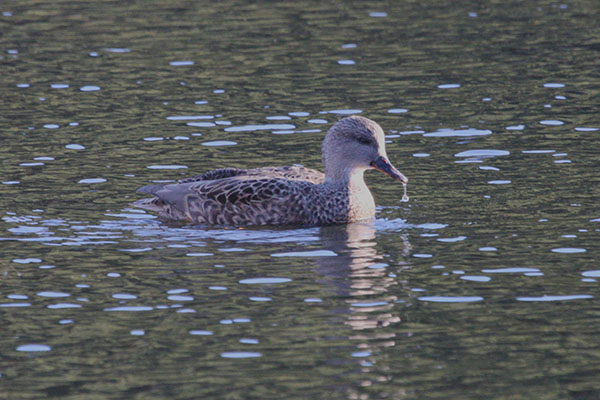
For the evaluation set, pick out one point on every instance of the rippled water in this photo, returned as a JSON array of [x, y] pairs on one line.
[[483, 286]]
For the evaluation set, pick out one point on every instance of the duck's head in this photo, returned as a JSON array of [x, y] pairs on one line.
[[353, 145]]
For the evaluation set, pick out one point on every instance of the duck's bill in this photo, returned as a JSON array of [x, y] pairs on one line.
[[383, 164]]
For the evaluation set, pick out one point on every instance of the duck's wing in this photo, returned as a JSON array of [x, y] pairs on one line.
[[299, 173], [295, 172], [220, 173], [239, 200]]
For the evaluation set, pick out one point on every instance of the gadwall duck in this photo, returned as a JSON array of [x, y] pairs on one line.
[[285, 195]]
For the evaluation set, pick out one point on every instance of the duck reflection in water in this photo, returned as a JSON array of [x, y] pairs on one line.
[[369, 288], [361, 274]]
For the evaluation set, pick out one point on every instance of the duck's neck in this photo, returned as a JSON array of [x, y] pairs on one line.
[[352, 178], [360, 204]]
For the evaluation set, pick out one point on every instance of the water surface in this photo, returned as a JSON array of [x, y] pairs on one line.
[[483, 286]]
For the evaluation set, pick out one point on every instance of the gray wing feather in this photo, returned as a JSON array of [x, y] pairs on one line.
[[150, 189], [295, 172], [220, 173]]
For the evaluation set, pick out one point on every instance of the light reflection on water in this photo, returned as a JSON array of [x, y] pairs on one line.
[[361, 288], [133, 225]]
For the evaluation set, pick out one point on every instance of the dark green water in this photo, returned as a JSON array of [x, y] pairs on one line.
[[483, 286]]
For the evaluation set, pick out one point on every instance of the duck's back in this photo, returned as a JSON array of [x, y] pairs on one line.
[[294, 172], [231, 196]]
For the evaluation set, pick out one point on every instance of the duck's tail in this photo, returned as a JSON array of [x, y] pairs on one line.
[[162, 203], [151, 204], [150, 189]]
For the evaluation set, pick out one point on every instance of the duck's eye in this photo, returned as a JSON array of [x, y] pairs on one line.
[[363, 140]]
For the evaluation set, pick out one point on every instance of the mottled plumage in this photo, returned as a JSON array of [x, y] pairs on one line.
[[284, 195], [295, 172]]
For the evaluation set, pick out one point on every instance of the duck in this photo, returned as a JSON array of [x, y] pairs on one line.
[[289, 195]]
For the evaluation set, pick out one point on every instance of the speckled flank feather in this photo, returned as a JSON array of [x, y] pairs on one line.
[[271, 195]]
